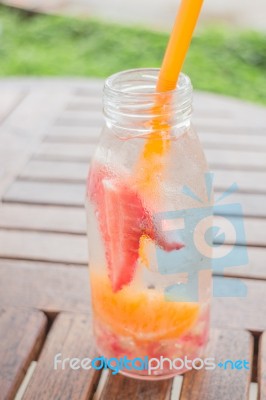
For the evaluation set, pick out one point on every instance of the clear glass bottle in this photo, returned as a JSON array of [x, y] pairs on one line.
[[146, 177]]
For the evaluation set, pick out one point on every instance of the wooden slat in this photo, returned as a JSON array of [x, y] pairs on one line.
[[21, 335], [228, 115], [254, 231], [55, 171], [71, 336], [212, 111], [73, 134], [79, 118], [208, 140], [220, 384], [80, 113], [227, 130], [52, 288], [227, 126], [253, 205], [234, 142], [68, 248], [119, 387], [262, 367], [219, 114], [67, 171], [73, 194], [206, 104], [229, 108], [43, 218], [66, 288], [53, 193], [40, 246], [217, 158], [73, 220], [23, 130], [218, 108], [256, 267], [235, 116], [91, 103], [244, 160], [66, 151], [240, 312], [9, 99], [247, 181], [93, 89], [202, 124]]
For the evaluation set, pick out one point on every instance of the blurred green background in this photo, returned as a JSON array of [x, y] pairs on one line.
[[220, 60]]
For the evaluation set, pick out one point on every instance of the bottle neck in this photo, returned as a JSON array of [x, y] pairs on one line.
[[132, 107]]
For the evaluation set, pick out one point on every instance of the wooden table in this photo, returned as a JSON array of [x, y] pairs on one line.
[[48, 131]]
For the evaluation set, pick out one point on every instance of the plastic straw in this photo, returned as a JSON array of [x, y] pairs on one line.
[[178, 44], [157, 145]]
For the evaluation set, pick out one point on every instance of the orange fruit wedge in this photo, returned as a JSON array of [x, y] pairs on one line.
[[141, 314]]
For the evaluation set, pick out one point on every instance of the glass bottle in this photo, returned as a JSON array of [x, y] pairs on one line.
[[149, 214]]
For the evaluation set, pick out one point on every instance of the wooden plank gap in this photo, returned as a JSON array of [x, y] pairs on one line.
[[44, 230], [70, 336], [101, 384], [262, 368], [26, 380], [220, 384], [253, 391], [43, 259], [9, 100], [54, 179], [22, 332], [120, 387], [177, 387]]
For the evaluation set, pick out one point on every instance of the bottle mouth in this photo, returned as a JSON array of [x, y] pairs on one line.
[[142, 82], [131, 100]]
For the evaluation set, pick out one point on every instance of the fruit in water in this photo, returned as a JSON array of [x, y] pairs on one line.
[[121, 217], [141, 314], [123, 220], [123, 228]]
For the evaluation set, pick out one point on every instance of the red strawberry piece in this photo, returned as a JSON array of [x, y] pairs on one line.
[[124, 224], [122, 219]]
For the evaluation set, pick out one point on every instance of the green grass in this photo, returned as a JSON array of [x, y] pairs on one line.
[[221, 61]]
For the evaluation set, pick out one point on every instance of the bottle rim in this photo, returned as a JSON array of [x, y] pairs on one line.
[[131, 101], [113, 84]]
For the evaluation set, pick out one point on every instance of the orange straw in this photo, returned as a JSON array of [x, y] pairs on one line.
[[151, 161], [178, 44]]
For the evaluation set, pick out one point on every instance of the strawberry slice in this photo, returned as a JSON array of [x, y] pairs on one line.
[[159, 237], [124, 226], [123, 220]]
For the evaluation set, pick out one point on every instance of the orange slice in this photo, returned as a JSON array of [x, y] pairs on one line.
[[141, 314]]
